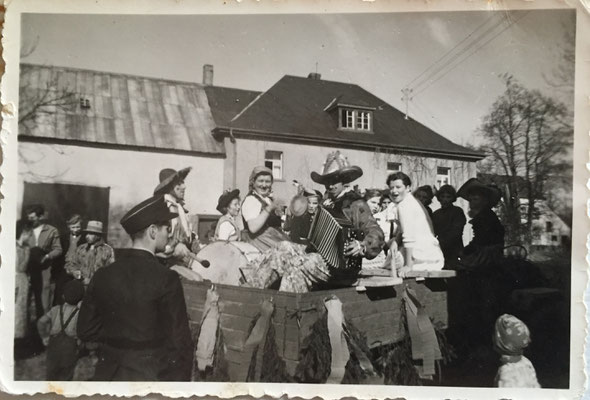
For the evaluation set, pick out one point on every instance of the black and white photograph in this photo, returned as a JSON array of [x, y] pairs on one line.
[[347, 198]]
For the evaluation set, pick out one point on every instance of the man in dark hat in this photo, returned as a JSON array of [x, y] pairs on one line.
[[182, 242], [92, 255], [135, 307]]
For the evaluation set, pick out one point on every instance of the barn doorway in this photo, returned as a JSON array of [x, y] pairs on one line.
[[63, 200]]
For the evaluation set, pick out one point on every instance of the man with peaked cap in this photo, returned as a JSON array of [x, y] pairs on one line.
[[135, 307], [182, 242]]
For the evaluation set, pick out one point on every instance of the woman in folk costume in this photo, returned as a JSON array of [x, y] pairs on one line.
[[228, 227], [260, 211], [182, 244], [300, 271], [421, 249]]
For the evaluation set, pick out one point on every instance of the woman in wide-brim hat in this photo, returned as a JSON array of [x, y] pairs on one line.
[[488, 231], [168, 178], [228, 227]]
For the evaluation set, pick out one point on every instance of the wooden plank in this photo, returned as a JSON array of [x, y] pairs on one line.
[[286, 333], [235, 322], [431, 274], [376, 281], [236, 372], [352, 310], [237, 357], [237, 308], [233, 337], [291, 351]]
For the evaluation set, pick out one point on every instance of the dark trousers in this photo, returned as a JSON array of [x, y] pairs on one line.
[[115, 364], [61, 360], [42, 290]]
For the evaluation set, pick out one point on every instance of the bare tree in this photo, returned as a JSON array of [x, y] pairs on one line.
[[526, 135]]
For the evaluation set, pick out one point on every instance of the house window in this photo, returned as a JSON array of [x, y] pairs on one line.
[[362, 120], [355, 119], [274, 161], [443, 176], [393, 167], [554, 238], [548, 226]]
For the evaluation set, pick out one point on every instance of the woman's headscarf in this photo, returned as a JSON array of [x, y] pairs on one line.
[[257, 171]]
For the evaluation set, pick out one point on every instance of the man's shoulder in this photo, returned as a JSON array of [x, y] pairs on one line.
[[50, 229]]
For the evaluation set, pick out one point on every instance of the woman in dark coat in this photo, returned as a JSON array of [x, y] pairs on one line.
[[448, 222]]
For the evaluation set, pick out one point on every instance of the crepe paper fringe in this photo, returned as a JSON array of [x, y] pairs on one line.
[[218, 372], [315, 357], [395, 361]]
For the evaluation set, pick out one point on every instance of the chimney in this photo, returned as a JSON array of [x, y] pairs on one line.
[[208, 75], [314, 75]]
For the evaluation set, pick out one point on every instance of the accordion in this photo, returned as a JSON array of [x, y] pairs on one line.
[[329, 237]]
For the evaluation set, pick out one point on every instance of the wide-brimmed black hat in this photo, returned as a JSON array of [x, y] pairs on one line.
[[226, 198], [337, 169], [492, 193], [168, 177], [151, 211]]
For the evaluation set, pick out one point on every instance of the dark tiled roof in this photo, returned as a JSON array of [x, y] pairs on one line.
[[226, 103], [294, 107], [124, 110]]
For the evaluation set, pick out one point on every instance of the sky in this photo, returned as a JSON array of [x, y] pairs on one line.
[[382, 53]]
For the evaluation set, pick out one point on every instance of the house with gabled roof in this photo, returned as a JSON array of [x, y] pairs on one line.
[[294, 124], [102, 152]]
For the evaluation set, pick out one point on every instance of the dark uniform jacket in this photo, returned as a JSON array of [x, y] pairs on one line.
[[135, 308], [487, 231], [355, 209]]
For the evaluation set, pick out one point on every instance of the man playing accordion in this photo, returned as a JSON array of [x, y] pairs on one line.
[[302, 269]]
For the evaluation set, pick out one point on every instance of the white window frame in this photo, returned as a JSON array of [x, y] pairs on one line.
[[443, 179], [275, 164], [355, 120], [391, 170]]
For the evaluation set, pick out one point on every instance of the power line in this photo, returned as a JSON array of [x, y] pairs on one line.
[[467, 48], [472, 53], [450, 51]]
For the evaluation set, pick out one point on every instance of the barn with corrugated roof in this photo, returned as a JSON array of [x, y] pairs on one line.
[[93, 142]]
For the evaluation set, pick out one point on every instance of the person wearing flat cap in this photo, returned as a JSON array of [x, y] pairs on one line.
[[90, 256], [135, 307], [300, 269], [228, 227], [183, 242]]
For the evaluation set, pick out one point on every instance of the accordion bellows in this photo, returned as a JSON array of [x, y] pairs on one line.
[[329, 236]]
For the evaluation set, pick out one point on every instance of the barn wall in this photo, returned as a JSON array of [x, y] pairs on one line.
[[131, 176]]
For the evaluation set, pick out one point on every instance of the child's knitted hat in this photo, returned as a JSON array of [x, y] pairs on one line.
[[511, 335]]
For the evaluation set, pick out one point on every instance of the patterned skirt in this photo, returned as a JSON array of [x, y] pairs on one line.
[[287, 261]]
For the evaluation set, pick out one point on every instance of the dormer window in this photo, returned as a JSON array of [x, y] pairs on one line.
[[355, 120]]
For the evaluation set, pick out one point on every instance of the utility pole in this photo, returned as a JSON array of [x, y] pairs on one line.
[[407, 92]]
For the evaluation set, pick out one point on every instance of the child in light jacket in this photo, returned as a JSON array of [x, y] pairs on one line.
[[511, 337]]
